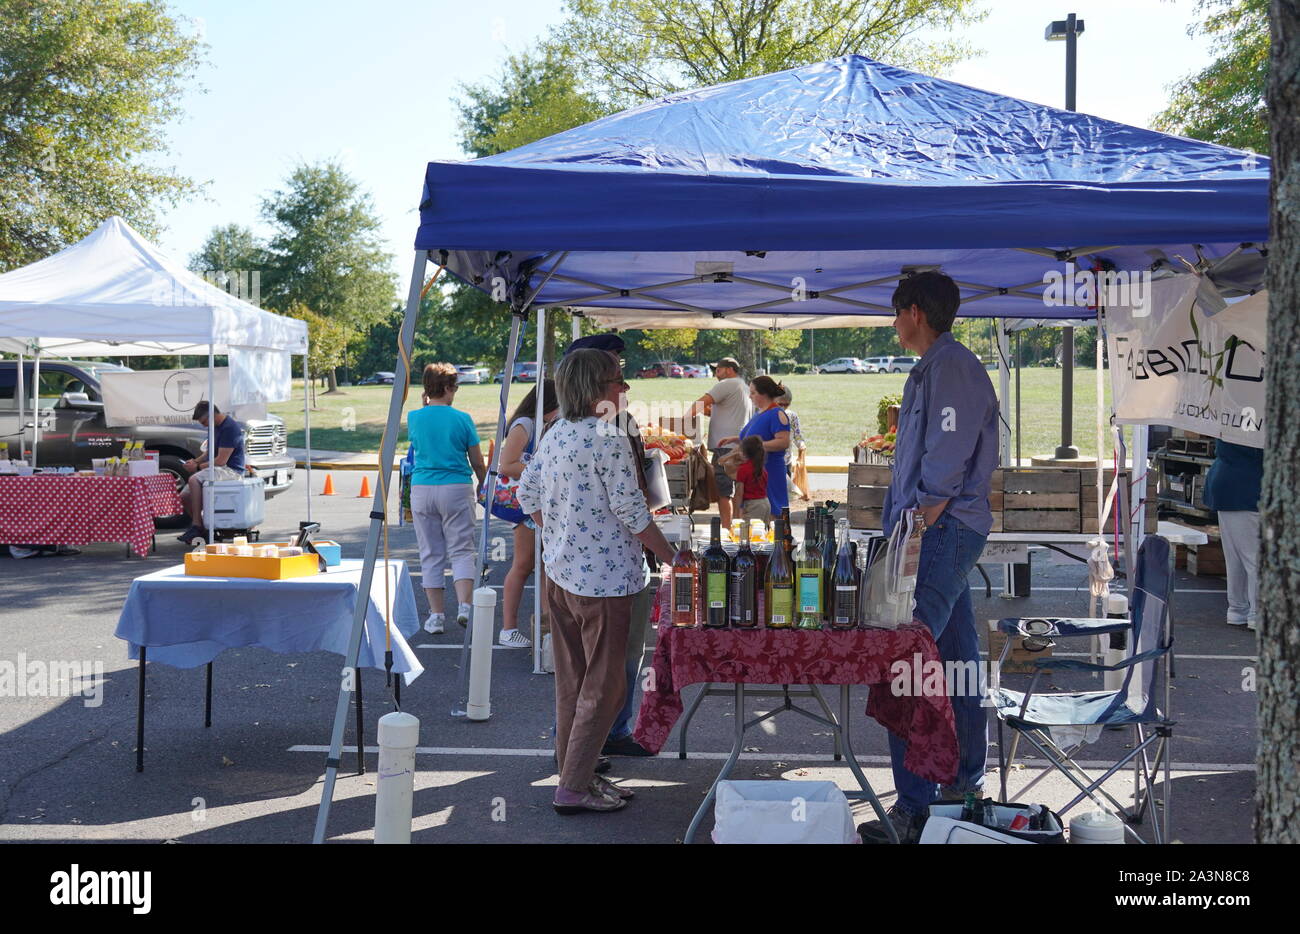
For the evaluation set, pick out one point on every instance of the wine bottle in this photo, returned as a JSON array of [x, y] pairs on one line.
[[779, 585], [844, 614], [829, 554], [685, 593], [808, 572], [742, 597], [714, 567], [788, 541]]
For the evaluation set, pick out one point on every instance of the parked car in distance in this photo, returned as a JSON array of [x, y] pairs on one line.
[[523, 373], [74, 431], [663, 368], [695, 371], [382, 378], [470, 375], [891, 364], [843, 365]]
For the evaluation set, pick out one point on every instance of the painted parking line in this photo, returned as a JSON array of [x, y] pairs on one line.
[[760, 757], [1079, 589]]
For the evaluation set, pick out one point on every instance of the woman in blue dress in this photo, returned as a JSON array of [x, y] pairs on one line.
[[772, 425]]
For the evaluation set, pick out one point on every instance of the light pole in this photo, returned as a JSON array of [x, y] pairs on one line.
[[1067, 29]]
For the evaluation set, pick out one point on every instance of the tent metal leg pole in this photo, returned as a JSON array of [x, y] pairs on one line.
[[209, 492], [406, 338], [306, 419], [490, 483], [540, 331], [36, 405], [1004, 395], [22, 408]]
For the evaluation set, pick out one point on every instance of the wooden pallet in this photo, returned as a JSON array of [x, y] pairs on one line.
[[868, 484]]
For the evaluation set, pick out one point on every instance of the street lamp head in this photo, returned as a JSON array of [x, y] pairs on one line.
[[1059, 29]]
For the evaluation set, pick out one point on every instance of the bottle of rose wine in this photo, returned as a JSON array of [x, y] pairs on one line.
[[685, 593]]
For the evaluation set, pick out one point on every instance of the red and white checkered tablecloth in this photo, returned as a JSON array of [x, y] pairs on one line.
[[70, 510]]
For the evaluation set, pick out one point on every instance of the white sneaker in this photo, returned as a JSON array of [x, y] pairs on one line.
[[434, 623], [514, 639], [1250, 624], [464, 613]]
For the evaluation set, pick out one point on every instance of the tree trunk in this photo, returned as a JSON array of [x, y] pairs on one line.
[[332, 374], [548, 348], [1277, 795], [747, 353]]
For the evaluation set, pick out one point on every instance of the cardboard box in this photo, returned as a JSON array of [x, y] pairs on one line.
[[272, 569]]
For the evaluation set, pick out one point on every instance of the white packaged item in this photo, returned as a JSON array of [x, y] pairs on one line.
[[142, 468], [782, 812]]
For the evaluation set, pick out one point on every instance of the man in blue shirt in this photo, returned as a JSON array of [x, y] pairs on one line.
[[945, 454], [228, 464]]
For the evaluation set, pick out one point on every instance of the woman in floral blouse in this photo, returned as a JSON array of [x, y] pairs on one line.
[[581, 489]]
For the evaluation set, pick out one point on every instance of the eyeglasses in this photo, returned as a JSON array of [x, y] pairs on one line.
[[618, 382]]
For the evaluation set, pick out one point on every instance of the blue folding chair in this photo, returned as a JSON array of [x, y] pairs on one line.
[[1137, 702]]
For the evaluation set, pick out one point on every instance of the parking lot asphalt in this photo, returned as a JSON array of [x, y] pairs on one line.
[[67, 770]]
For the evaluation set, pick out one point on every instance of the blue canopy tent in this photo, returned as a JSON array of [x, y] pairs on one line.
[[799, 199]]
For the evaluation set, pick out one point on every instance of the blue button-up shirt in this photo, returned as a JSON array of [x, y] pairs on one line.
[[947, 443]]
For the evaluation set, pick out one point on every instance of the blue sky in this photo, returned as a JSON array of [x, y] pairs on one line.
[[370, 84]]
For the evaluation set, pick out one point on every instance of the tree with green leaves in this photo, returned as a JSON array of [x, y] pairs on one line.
[[629, 51], [326, 251], [86, 88], [327, 343], [232, 258], [1224, 102]]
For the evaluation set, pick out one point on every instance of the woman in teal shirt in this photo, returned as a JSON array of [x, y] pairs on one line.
[[446, 449]]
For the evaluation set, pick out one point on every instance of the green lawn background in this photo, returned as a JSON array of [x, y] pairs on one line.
[[834, 410]]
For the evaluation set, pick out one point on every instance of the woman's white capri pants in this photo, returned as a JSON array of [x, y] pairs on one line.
[[444, 527]]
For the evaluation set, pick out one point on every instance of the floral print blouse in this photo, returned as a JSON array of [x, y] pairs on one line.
[[583, 482]]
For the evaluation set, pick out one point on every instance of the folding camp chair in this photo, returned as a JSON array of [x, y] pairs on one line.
[[1136, 703]]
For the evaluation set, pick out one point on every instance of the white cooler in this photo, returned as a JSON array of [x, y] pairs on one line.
[[237, 504]]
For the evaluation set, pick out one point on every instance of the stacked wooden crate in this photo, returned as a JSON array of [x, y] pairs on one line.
[[1022, 499], [1206, 560]]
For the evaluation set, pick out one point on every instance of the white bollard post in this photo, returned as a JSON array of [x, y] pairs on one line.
[[480, 654], [399, 734]]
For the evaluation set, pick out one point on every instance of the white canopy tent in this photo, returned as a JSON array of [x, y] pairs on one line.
[[115, 294]]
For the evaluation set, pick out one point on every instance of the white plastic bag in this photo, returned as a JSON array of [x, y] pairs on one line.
[[782, 812]]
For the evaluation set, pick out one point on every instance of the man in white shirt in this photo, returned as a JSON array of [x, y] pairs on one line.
[[729, 408]]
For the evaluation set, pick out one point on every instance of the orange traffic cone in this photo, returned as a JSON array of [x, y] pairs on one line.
[[329, 486], [365, 488]]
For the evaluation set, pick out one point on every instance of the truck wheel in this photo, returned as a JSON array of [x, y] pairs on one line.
[[176, 467]]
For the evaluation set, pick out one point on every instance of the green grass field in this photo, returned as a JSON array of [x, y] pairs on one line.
[[833, 410]]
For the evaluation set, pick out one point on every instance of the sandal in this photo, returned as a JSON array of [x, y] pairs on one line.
[[589, 802], [602, 785]]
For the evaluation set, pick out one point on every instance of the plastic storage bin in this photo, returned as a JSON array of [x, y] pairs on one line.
[[782, 812], [237, 504]]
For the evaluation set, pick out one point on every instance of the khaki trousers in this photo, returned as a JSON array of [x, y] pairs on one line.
[[589, 638]]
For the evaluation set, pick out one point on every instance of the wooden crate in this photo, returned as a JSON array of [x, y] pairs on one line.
[[1042, 499], [1088, 501], [1206, 560], [1019, 659], [868, 484]]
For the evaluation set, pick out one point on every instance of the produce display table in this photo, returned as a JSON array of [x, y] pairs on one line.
[[764, 657], [49, 509], [188, 621]]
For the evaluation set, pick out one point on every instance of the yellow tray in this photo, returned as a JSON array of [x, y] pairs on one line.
[[271, 569]]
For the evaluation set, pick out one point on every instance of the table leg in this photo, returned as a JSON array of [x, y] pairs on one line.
[[361, 745], [207, 699], [842, 736], [826, 709], [686, 720], [726, 768], [397, 689], [139, 717]]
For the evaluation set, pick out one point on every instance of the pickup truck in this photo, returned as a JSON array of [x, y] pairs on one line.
[[73, 431]]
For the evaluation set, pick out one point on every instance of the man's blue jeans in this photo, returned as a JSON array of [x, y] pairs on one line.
[[949, 552], [635, 652]]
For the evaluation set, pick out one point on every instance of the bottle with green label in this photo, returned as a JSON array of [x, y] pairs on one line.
[[779, 585], [808, 578], [715, 568]]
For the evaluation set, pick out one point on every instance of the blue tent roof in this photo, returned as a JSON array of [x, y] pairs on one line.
[[834, 177]]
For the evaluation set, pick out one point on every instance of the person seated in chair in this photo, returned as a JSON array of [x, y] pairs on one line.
[[228, 464]]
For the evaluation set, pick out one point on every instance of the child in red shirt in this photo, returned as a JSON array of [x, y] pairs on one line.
[[751, 500]]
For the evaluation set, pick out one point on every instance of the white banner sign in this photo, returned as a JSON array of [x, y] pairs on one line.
[[160, 397], [1178, 366]]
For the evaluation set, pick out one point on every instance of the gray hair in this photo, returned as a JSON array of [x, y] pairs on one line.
[[580, 382], [785, 398]]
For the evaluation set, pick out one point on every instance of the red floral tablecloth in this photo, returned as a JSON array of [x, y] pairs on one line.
[[70, 510], [776, 656]]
